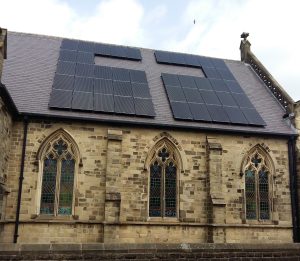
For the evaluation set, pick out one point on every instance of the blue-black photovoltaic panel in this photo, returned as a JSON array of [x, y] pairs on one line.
[[162, 57], [192, 95], [205, 62], [133, 54], [64, 82], [124, 104], [86, 46], [85, 70], [85, 57], [67, 68], [175, 93], [234, 86], [69, 44], [83, 84], [68, 55], [218, 114], [211, 73], [192, 60], [253, 117], [235, 115], [120, 74], [118, 51], [103, 102], [170, 80], [103, 86], [177, 58], [102, 49], [199, 112], [219, 85], [122, 88], [103, 72], [138, 76], [225, 74], [226, 99], [218, 63], [210, 97], [181, 111], [203, 83], [140, 90], [60, 99], [187, 81], [83, 101], [144, 107], [242, 100]]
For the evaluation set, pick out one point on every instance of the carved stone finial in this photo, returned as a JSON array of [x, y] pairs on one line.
[[3, 42], [244, 35]]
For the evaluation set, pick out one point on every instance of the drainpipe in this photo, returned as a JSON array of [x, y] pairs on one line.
[[293, 188], [21, 177]]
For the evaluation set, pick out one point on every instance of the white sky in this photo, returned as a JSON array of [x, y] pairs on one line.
[[168, 25]]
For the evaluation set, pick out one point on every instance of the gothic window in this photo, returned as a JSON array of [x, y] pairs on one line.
[[163, 183], [257, 186], [58, 172]]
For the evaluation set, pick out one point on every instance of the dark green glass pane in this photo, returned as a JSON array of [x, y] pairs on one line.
[[250, 194], [264, 208], [155, 191], [48, 186], [170, 191]]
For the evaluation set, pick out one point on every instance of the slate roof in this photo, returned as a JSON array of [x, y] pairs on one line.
[[31, 63]]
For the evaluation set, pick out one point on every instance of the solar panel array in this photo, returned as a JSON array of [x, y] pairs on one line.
[[209, 99], [80, 85]]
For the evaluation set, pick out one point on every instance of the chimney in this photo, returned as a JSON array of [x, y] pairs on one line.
[[3, 48], [245, 47]]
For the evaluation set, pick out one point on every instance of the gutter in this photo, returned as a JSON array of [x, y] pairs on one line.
[[21, 178], [293, 188]]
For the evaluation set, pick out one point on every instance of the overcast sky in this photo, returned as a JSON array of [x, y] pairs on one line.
[[169, 25]]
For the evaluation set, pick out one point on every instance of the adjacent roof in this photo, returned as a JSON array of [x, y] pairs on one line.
[[31, 63]]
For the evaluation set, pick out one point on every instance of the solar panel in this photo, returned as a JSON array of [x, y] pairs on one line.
[[235, 115], [86, 70], [242, 100], [187, 81], [86, 46], [120, 74], [103, 72], [67, 68], [83, 84], [140, 90], [210, 97], [205, 62], [217, 114], [234, 86], [103, 86], [83, 101], [162, 57], [102, 49], [192, 95], [181, 110], [170, 79], [177, 58], [84, 57], [253, 117], [192, 60], [64, 82], [138, 76], [218, 63], [60, 99], [203, 83], [226, 99], [225, 74], [118, 51], [144, 107], [124, 105], [68, 55], [175, 93], [211, 73], [69, 44], [122, 88], [219, 85], [133, 53], [103, 103], [199, 112]]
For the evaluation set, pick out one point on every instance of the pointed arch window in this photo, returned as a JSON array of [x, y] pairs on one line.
[[58, 176], [257, 186], [163, 183]]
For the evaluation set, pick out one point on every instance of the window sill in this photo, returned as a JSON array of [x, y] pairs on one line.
[[51, 217], [163, 219]]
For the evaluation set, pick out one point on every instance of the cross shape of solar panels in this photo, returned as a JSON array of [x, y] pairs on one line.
[[211, 100], [84, 52]]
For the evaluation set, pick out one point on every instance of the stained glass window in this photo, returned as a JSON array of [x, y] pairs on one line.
[[163, 185], [58, 179], [257, 187]]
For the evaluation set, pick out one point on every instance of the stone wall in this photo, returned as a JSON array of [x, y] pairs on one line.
[[111, 195]]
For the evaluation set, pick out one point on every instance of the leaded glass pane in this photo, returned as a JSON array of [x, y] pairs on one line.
[[60, 147], [250, 194], [264, 211], [66, 187], [155, 191], [48, 186], [164, 154], [170, 190]]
